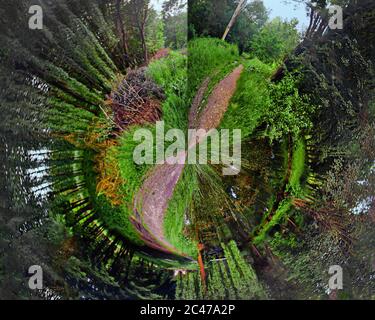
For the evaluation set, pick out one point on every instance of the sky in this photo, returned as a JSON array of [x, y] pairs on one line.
[[157, 4], [288, 11], [278, 8]]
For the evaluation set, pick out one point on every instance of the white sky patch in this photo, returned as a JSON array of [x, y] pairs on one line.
[[286, 9], [157, 4], [38, 174]]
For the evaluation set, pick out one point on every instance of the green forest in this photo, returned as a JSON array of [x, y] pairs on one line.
[[79, 95]]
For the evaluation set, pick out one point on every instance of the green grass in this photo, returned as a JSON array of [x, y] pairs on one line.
[[113, 216], [294, 185], [207, 56], [132, 175], [174, 222], [279, 215], [171, 74], [250, 103], [298, 166]]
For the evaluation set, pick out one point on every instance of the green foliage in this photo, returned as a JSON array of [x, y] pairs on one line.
[[295, 169], [116, 217], [275, 40], [132, 175], [154, 33], [280, 214], [280, 242], [175, 30], [61, 117], [243, 276], [131, 172], [206, 57], [289, 111], [171, 74], [175, 20], [233, 277], [57, 79], [211, 17], [59, 231], [189, 287], [216, 285], [298, 167], [178, 208], [251, 102]]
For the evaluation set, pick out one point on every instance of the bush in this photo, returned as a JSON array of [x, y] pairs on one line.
[[289, 112], [276, 39]]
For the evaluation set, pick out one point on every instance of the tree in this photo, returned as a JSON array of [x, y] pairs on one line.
[[210, 18], [121, 28], [139, 11], [252, 18], [275, 40], [175, 23], [233, 19], [155, 32], [318, 11]]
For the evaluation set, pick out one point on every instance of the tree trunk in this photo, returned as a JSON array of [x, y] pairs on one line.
[[143, 31], [144, 45], [233, 19], [121, 28]]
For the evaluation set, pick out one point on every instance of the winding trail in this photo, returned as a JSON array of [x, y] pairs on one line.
[[218, 101], [151, 201]]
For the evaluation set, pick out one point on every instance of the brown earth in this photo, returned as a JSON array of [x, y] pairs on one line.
[[218, 101], [162, 53]]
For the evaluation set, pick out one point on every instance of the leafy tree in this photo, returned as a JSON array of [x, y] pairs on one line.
[[175, 22], [138, 15], [210, 18], [250, 21], [289, 112], [154, 32], [275, 40]]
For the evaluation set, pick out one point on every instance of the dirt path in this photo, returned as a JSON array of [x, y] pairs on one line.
[[218, 101], [193, 114], [151, 202]]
